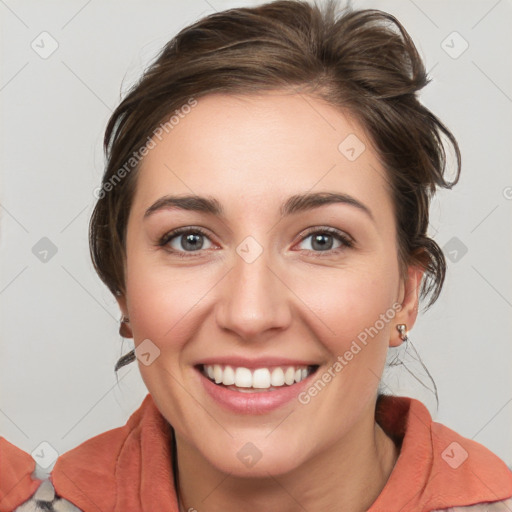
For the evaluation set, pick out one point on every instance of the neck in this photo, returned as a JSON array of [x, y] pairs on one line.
[[349, 476]]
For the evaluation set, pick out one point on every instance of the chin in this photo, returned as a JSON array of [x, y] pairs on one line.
[[255, 455], [249, 462]]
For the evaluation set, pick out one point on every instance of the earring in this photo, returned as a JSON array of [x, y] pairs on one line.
[[126, 359], [124, 331], [402, 329]]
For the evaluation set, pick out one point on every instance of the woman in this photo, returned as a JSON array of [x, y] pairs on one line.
[[262, 222]]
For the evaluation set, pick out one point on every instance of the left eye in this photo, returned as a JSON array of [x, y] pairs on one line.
[[322, 241]]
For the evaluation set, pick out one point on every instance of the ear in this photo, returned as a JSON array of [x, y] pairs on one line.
[[124, 329], [408, 298], [121, 301]]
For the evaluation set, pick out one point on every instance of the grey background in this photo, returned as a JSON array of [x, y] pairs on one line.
[[59, 336]]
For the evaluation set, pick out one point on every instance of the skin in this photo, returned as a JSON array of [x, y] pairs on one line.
[[251, 153]]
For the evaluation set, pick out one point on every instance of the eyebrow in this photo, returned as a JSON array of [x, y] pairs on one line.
[[294, 204]]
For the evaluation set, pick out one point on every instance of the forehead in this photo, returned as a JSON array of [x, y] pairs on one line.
[[257, 150]]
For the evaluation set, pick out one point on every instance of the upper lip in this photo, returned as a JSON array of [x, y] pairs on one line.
[[258, 362]]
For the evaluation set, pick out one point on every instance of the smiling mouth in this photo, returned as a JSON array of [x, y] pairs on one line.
[[257, 380]]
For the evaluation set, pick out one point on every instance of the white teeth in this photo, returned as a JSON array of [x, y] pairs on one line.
[[260, 378], [217, 374], [229, 376], [289, 375], [243, 378], [277, 377]]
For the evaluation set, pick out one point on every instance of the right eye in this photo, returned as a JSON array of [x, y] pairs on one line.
[[176, 242]]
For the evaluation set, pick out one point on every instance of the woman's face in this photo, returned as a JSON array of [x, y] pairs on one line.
[[271, 287]]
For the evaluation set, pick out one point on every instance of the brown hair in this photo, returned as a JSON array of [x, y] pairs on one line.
[[362, 61]]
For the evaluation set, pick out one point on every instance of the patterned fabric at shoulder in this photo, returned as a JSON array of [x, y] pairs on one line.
[[495, 506], [45, 500]]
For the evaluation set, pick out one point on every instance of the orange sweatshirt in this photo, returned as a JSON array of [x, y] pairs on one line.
[[128, 469]]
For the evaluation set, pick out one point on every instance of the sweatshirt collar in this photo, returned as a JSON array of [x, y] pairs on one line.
[[16, 480], [129, 469], [437, 468]]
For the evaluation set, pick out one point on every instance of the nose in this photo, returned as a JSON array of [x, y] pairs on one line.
[[255, 300]]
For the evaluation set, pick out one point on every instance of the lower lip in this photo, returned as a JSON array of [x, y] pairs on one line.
[[253, 403]]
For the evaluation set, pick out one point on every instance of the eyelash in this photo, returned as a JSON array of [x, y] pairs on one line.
[[347, 242]]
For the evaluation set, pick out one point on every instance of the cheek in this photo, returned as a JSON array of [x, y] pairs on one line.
[[167, 304], [354, 304], [162, 301]]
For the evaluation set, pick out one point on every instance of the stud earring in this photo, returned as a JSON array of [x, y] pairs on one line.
[[124, 330], [402, 329]]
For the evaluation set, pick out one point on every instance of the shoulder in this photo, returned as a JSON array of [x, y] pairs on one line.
[[20, 491], [92, 463], [497, 506], [438, 469], [91, 469], [106, 472], [17, 482], [471, 476], [99, 455]]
